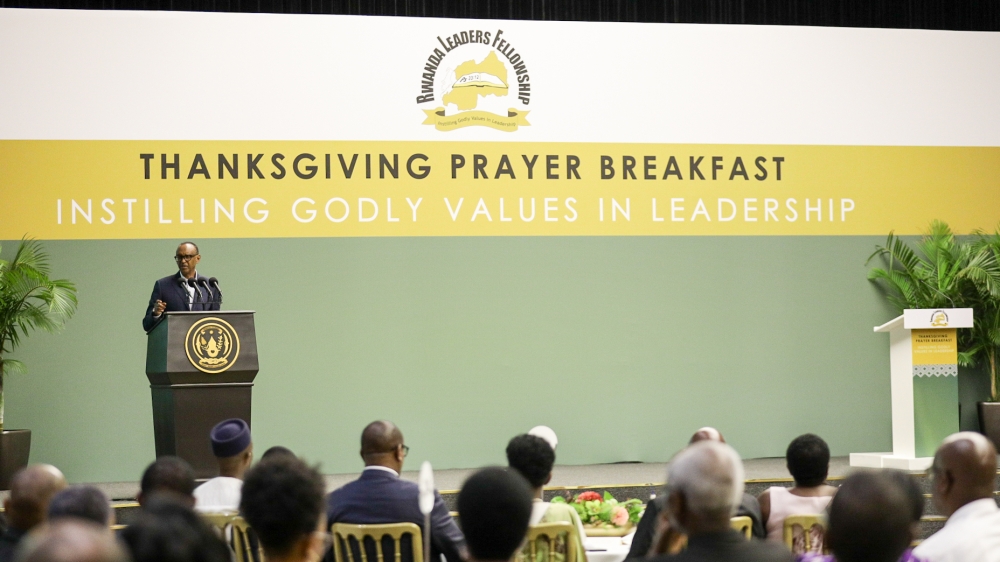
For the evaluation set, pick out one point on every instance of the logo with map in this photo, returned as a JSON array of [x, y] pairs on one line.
[[475, 78]]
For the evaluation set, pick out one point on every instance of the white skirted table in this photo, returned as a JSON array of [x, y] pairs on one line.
[[607, 549]]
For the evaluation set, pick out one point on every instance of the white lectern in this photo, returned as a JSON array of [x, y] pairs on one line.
[[923, 355]]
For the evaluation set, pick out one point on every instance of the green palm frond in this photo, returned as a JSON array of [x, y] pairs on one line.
[[8, 366], [29, 300]]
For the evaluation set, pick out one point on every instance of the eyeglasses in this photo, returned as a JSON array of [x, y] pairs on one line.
[[406, 450], [179, 257]]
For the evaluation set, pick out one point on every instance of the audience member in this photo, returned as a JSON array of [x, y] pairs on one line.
[[380, 496], [808, 461], [496, 506], [31, 489], [964, 474], [72, 540], [82, 502], [277, 451], [283, 503], [651, 533], [864, 519], [168, 530], [233, 448], [167, 475], [532, 457], [703, 490]]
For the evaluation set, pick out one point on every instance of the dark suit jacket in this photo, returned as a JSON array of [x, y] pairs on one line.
[[378, 497], [644, 531], [729, 546], [170, 291], [10, 539]]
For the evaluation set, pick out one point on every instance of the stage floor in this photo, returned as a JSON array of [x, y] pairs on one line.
[[592, 475]]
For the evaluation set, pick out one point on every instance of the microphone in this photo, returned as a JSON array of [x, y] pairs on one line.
[[194, 284], [204, 283], [215, 283]]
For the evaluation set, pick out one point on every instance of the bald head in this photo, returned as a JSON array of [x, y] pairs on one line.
[[707, 434], [381, 445], [73, 541], [31, 489], [964, 471]]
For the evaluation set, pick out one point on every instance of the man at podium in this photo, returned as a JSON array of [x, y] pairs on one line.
[[186, 290]]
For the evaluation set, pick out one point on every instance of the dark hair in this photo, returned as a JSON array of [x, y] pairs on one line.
[[532, 457], [496, 506], [808, 459], [869, 519], [282, 499], [912, 490], [166, 530], [83, 502], [196, 250], [171, 474], [277, 450]]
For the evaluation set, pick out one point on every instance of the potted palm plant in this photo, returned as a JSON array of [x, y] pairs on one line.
[[29, 301], [945, 272], [986, 337]]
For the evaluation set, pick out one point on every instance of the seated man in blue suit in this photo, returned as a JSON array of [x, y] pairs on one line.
[[182, 291], [379, 496]]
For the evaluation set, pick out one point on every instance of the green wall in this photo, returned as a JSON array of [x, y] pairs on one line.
[[623, 345]]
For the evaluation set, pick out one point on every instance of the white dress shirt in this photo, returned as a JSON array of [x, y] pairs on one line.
[[189, 289], [382, 468], [972, 534], [221, 493]]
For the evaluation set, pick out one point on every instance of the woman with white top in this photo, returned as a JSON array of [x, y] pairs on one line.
[[808, 461], [533, 458]]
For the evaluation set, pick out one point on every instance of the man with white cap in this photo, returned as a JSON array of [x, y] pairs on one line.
[[233, 448], [964, 473], [546, 433]]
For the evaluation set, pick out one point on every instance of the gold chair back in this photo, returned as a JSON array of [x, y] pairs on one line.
[[743, 524], [245, 550], [219, 520], [805, 533], [236, 532], [343, 533], [554, 541]]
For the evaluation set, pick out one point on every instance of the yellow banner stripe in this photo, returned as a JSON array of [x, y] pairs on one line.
[[204, 189]]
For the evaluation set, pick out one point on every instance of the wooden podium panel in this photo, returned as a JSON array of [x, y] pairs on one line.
[[201, 367]]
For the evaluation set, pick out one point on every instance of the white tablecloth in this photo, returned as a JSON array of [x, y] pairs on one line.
[[607, 549]]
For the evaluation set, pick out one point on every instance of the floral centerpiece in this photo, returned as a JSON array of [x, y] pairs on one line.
[[605, 515]]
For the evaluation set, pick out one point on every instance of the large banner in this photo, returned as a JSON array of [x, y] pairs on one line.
[[152, 125]]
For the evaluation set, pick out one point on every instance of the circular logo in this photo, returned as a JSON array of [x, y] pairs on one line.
[[212, 345]]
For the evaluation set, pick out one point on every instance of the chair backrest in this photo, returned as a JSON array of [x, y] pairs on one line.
[[247, 549], [743, 524], [553, 541], [805, 533], [220, 520], [236, 532], [343, 533]]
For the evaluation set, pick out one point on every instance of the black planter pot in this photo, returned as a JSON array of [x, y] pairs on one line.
[[15, 445], [989, 421]]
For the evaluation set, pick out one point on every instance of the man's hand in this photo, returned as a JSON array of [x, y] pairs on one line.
[[159, 308]]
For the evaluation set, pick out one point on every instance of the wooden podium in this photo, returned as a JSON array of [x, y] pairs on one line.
[[201, 367]]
